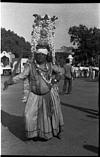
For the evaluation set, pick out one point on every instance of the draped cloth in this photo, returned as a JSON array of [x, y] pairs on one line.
[[43, 115]]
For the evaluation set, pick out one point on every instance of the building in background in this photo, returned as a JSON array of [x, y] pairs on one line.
[[6, 62], [63, 53]]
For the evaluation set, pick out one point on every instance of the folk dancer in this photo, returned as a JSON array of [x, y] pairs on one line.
[[43, 115]]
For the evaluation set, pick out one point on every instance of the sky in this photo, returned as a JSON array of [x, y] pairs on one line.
[[18, 17]]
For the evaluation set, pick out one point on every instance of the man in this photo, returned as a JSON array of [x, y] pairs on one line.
[[43, 115], [67, 77]]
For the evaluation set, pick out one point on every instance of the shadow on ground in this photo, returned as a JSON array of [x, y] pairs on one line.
[[92, 113], [92, 148], [14, 123]]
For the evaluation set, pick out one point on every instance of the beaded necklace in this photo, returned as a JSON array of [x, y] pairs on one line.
[[39, 69]]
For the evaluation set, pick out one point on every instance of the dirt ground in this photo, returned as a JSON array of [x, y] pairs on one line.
[[81, 123]]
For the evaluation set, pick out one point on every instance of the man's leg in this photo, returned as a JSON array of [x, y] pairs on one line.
[[64, 85], [69, 86]]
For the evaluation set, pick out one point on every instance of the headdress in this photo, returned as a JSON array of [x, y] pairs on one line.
[[43, 50], [43, 33]]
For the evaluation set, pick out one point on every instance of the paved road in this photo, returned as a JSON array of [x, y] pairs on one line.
[[80, 111]]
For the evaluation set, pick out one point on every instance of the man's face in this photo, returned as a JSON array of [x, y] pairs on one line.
[[40, 58]]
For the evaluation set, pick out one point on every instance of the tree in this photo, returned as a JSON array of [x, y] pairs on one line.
[[11, 42], [87, 42]]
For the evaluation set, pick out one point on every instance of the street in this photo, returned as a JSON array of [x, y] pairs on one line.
[[81, 122]]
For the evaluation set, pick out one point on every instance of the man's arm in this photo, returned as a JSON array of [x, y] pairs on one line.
[[58, 69], [72, 74], [17, 78], [22, 75]]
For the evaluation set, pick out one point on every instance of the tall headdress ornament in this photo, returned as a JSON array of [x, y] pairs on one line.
[[43, 33]]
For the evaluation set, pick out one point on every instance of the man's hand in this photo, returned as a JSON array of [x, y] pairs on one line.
[[5, 85]]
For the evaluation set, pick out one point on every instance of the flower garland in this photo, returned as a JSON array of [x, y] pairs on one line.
[[38, 68], [47, 24]]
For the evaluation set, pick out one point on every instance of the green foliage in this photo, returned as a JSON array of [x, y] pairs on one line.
[[11, 42], [87, 41]]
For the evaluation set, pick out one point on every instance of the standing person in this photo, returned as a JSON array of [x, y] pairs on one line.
[[73, 71], [67, 77], [43, 115], [90, 72], [93, 73]]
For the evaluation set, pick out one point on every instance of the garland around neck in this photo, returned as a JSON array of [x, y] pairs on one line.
[[42, 75]]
